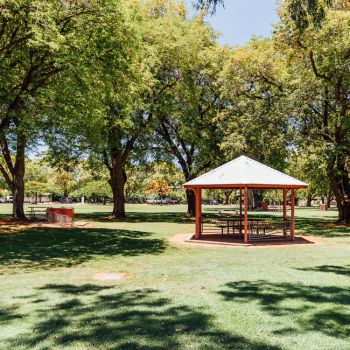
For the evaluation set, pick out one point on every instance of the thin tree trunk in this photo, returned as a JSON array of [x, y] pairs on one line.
[[329, 198], [117, 182]]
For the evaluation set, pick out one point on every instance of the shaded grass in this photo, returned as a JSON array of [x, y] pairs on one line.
[[284, 299], [104, 317], [338, 270], [50, 248]]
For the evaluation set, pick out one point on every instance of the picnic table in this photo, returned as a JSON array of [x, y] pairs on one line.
[[276, 208], [236, 222], [37, 212], [228, 213]]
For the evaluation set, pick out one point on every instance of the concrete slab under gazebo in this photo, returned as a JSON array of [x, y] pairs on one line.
[[245, 174]]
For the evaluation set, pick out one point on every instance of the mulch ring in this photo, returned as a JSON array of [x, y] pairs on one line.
[[76, 224], [9, 225]]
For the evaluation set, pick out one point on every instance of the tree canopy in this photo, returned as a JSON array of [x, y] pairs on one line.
[[124, 92]]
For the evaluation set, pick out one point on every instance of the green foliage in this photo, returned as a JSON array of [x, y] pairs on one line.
[[318, 99], [310, 166], [121, 91], [306, 12], [93, 189], [254, 121], [186, 111], [40, 41]]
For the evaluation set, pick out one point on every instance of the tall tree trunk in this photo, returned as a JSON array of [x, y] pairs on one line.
[[338, 173], [329, 198], [309, 199], [227, 196], [117, 182], [257, 197], [191, 203], [18, 179]]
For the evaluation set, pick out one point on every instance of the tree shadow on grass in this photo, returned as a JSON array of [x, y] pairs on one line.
[[9, 314], [324, 309], [134, 217], [47, 248], [338, 270], [104, 317], [321, 228]]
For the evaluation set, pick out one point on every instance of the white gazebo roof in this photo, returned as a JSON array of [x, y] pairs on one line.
[[244, 171]]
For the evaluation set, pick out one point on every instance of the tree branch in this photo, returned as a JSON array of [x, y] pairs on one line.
[[106, 160], [6, 154], [165, 133], [6, 177], [314, 67]]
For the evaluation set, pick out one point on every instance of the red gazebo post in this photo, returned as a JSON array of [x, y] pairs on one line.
[[245, 215], [292, 215], [284, 211], [198, 194], [240, 211]]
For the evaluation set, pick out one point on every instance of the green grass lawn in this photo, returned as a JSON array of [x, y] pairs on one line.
[[175, 296]]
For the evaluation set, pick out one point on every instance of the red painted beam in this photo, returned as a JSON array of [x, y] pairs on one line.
[[249, 186], [198, 194], [246, 215], [284, 211], [292, 215], [240, 211]]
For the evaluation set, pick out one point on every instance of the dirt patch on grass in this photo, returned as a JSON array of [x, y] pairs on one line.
[[10, 221], [76, 224], [14, 226], [334, 225], [109, 277], [182, 239], [17, 225]]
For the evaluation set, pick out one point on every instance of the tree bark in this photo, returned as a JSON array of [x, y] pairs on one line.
[[117, 182], [227, 196], [257, 197], [338, 173], [309, 200], [329, 198], [18, 180], [344, 213], [191, 203]]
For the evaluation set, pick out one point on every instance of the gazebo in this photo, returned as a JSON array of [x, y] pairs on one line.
[[245, 174]]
